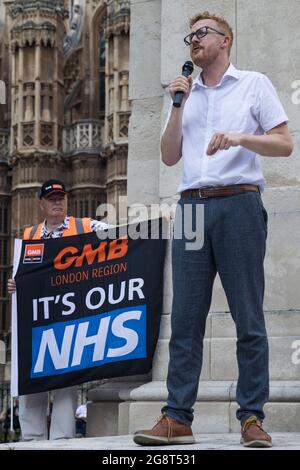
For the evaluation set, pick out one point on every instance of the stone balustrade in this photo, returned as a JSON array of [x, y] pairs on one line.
[[83, 136]]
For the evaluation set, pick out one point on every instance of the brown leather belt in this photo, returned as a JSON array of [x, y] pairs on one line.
[[220, 191]]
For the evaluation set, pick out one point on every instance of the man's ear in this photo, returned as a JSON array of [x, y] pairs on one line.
[[41, 204], [225, 42]]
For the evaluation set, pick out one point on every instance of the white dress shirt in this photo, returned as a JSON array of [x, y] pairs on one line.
[[243, 102]]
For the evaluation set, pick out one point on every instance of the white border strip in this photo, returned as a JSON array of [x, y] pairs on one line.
[[14, 386]]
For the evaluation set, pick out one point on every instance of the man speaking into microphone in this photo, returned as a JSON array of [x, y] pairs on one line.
[[220, 124]]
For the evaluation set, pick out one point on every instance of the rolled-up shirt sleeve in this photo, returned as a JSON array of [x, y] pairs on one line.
[[270, 112]]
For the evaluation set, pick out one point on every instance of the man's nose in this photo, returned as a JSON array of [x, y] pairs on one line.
[[195, 39]]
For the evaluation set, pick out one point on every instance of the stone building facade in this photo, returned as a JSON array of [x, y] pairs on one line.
[[65, 64], [88, 142]]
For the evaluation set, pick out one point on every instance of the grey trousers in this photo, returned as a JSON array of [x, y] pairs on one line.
[[235, 231], [33, 415]]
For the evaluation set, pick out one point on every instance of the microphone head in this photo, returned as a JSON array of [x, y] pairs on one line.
[[188, 67]]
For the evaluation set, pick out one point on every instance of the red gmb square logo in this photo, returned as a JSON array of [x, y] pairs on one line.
[[34, 253]]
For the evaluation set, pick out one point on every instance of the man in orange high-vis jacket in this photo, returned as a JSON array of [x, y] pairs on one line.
[[33, 409]]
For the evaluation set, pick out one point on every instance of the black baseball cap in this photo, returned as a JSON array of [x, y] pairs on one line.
[[50, 187]]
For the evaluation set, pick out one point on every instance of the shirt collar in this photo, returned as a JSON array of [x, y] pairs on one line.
[[64, 225], [232, 71]]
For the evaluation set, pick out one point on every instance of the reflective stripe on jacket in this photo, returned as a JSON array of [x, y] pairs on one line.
[[76, 227]]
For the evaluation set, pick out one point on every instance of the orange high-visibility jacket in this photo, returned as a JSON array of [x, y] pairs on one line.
[[76, 227]]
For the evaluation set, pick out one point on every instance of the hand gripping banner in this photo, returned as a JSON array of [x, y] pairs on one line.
[[85, 308]]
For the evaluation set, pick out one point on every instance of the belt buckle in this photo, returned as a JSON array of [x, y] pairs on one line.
[[200, 194]]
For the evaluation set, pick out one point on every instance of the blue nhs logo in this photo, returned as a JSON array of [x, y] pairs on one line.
[[92, 341]]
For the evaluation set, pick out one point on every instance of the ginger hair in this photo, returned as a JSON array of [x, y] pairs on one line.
[[222, 23]]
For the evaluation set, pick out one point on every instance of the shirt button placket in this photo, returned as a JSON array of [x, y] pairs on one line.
[[209, 128]]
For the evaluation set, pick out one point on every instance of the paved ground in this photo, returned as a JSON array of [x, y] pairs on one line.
[[281, 441]]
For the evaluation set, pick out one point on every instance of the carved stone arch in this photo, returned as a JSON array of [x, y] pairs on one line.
[[98, 16], [75, 27], [74, 61]]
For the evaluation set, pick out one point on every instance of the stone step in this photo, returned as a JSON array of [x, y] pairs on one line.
[[219, 352], [130, 409], [281, 441], [215, 407]]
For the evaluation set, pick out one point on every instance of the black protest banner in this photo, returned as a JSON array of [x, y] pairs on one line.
[[86, 309]]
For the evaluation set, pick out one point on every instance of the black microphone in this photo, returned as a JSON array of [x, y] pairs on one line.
[[187, 70]]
